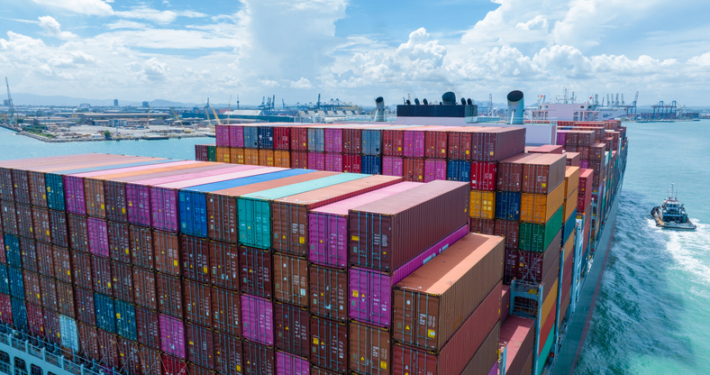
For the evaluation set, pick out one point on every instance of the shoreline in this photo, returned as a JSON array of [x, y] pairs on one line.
[[158, 138]]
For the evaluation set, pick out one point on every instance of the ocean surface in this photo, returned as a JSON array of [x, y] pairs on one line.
[[653, 311]]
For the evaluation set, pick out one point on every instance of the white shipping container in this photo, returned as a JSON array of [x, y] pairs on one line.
[[69, 333]]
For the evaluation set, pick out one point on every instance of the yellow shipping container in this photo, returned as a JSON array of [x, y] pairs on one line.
[[569, 248], [539, 208], [483, 204], [571, 180], [251, 156], [223, 154], [236, 155], [282, 158], [549, 302], [266, 158], [569, 208]]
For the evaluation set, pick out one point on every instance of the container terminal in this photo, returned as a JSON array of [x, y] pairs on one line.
[[443, 243]]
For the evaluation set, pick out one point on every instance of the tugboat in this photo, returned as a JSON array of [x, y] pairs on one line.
[[671, 214]]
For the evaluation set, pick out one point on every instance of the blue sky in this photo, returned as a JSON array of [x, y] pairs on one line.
[[356, 50]]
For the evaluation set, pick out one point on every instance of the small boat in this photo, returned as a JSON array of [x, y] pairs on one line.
[[671, 214]]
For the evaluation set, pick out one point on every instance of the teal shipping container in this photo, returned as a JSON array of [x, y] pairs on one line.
[[126, 320], [68, 333], [254, 210], [537, 237], [105, 318], [4, 280]]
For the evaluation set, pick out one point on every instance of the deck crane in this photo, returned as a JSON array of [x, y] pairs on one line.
[[11, 105], [229, 109], [207, 113]]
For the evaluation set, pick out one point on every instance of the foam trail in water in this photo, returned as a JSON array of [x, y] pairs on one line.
[[688, 249]]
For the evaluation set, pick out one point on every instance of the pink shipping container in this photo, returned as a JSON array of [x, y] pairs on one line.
[[333, 140], [98, 237], [371, 291], [414, 144], [257, 319], [434, 169], [172, 336], [316, 160], [138, 202], [222, 135], [392, 166], [289, 364], [236, 136], [164, 208], [334, 162], [328, 231], [561, 137], [74, 195]]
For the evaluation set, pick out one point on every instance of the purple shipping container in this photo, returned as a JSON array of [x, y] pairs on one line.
[[316, 160], [289, 364], [172, 336], [334, 140], [222, 135], [334, 162], [98, 237], [414, 144], [561, 137], [494, 369], [392, 166], [74, 195], [328, 226], [434, 169], [138, 201], [164, 208], [236, 136], [371, 291], [584, 164], [257, 319]]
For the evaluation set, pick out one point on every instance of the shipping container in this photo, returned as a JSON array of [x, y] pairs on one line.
[[81, 270], [266, 158], [351, 163], [329, 344], [282, 138], [173, 366], [517, 334], [33, 292], [172, 336], [333, 140], [38, 188], [288, 364], [48, 286], [85, 303], [441, 200], [370, 165], [88, 339], [3, 255], [413, 170], [78, 233], [51, 327], [108, 348], [316, 161], [539, 208], [9, 217], [5, 309], [12, 251], [370, 349], [17, 283], [40, 223], [429, 303], [257, 319], [101, 275], [255, 265], [228, 354], [195, 259], [200, 345], [59, 228], [224, 259], [122, 284], [4, 280], [291, 280], [334, 162], [434, 169], [35, 320], [459, 143], [482, 226], [571, 180], [508, 205], [28, 253], [483, 175], [55, 191], [509, 230], [24, 221], [282, 158], [458, 170], [144, 288], [292, 324], [62, 264], [536, 237], [547, 149], [226, 310], [258, 359], [129, 355], [198, 303], [316, 139], [170, 296], [147, 327], [126, 320], [543, 174], [534, 266], [482, 204], [510, 172], [74, 195], [436, 144], [104, 308], [328, 292], [392, 166]]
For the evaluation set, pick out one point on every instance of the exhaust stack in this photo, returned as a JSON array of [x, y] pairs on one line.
[[516, 107], [380, 109]]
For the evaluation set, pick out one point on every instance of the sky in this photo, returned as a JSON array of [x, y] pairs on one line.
[[355, 51]]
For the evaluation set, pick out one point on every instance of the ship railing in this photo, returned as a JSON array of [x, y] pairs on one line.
[[526, 300]]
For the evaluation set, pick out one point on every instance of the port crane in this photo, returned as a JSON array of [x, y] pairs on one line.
[[11, 105]]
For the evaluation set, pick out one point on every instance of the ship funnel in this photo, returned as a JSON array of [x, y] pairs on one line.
[[448, 98], [380, 111], [425, 102], [516, 107], [416, 101], [469, 101]]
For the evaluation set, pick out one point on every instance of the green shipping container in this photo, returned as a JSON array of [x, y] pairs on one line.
[[212, 153], [254, 210], [537, 237]]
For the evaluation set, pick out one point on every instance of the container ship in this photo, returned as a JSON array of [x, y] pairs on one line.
[[471, 247]]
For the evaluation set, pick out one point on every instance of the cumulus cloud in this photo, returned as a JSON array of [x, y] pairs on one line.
[[157, 16], [301, 84], [125, 24], [539, 22], [85, 7], [53, 28]]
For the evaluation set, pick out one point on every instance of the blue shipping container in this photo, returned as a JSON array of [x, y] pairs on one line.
[[316, 140], [68, 333], [458, 170], [237, 182], [4, 281], [19, 315], [372, 142], [371, 164], [126, 320], [568, 229], [251, 137], [105, 318], [508, 205], [266, 137], [17, 285], [193, 213], [55, 191], [12, 251]]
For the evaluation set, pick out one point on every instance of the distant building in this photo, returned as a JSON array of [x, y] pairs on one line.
[[84, 106], [5, 102], [115, 102], [146, 104]]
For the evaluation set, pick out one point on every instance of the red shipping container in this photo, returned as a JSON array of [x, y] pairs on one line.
[[35, 319], [413, 170], [167, 252], [81, 269], [65, 299], [28, 251], [141, 242], [122, 285], [222, 217], [352, 163], [256, 271], [299, 138], [9, 217], [101, 268], [571, 139], [85, 308], [228, 354], [226, 310], [195, 259], [119, 242], [150, 361], [62, 264], [484, 175], [510, 230], [436, 144], [547, 149], [352, 141], [89, 341], [5, 309], [329, 292], [290, 279], [584, 196], [282, 137], [200, 345], [291, 324], [299, 160], [108, 348], [584, 152], [45, 258], [22, 186], [38, 189], [459, 144], [494, 144], [51, 326], [24, 221], [392, 142], [510, 266], [33, 292], [49, 293], [483, 226], [329, 344], [144, 290], [78, 233], [148, 327], [58, 228], [173, 366], [225, 265], [198, 303], [258, 359], [334, 162], [41, 225], [194, 369], [128, 355], [170, 298], [544, 173], [116, 201], [509, 174]]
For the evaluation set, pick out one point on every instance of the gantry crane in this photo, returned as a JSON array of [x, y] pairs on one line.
[[10, 104]]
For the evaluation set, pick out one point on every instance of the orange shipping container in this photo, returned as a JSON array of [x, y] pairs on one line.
[[370, 349], [569, 208], [571, 181], [223, 154], [291, 280], [569, 249], [251, 156], [483, 204], [539, 208], [266, 158], [236, 155], [549, 302], [282, 158]]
